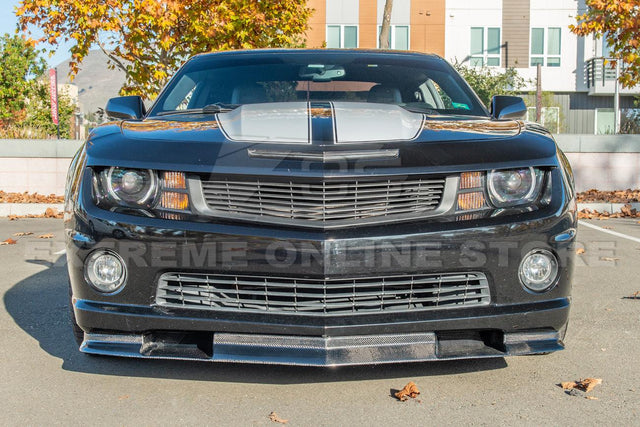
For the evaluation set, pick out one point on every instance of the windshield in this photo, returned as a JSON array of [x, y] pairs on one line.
[[415, 82]]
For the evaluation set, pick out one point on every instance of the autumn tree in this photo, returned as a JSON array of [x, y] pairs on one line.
[[149, 39], [19, 65], [25, 109], [618, 23]]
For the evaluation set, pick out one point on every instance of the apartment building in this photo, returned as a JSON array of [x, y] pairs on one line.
[[495, 34]]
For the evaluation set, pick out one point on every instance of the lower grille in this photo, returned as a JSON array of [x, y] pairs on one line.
[[314, 296]]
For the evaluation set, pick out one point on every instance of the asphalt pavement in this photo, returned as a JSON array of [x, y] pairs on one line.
[[45, 380]]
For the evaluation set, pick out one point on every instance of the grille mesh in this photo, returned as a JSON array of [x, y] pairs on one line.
[[326, 201], [313, 296]]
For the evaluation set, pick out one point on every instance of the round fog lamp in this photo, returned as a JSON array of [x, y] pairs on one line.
[[538, 270], [105, 271]]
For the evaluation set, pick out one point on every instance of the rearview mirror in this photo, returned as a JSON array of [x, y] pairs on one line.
[[321, 72], [125, 108], [508, 108]]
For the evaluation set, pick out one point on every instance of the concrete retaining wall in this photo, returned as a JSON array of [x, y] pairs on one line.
[[36, 166], [605, 162]]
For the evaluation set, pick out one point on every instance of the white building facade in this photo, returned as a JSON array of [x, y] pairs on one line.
[[524, 33]]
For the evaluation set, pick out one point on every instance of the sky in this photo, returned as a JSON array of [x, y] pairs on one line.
[[8, 22]]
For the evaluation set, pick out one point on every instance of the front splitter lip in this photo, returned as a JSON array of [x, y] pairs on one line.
[[322, 351]]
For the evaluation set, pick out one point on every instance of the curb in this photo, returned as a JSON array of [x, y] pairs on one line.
[[7, 209], [607, 207]]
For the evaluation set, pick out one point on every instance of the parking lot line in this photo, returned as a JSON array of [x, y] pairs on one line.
[[613, 233]]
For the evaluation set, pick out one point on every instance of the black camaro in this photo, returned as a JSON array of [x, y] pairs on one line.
[[319, 207]]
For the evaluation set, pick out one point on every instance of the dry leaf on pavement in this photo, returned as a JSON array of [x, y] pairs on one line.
[[23, 233], [276, 419], [608, 258], [585, 385], [46, 236], [8, 242], [29, 198], [580, 251], [409, 391], [591, 398]]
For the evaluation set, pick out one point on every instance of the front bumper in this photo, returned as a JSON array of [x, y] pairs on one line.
[[130, 323]]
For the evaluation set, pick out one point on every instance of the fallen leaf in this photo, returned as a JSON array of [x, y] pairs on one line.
[[46, 236], [276, 419], [123, 397], [8, 242], [13, 217], [580, 251], [606, 227], [585, 385], [591, 398], [608, 258], [23, 233], [29, 198], [409, 391]]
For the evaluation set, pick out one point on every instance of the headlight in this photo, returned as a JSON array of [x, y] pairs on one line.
[[141, 190], [514, 187], [133, 186]]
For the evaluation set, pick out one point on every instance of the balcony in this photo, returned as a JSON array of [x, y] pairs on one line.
[[600, 78]]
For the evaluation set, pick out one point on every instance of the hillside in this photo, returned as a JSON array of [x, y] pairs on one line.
[[96, 82]]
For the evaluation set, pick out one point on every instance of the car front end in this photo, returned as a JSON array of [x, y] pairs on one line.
[[317, 231]]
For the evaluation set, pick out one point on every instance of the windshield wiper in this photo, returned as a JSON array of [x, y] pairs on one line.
[[218, 107], [417, 109]]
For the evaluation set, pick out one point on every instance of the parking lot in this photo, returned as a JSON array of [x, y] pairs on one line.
[[46, 380]]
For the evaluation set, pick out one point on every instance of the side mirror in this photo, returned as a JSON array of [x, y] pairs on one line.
[[125, 107], [508, 107]]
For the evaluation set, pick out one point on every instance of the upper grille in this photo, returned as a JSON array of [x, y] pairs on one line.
[[318, 296], [326, 202]]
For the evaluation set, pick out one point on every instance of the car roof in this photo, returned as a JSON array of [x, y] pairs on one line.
[[380, 53]]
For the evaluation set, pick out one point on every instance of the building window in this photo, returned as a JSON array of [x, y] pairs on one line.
[[342, 36], [605, 121], [545, 54], [398, 37], [485, 53]]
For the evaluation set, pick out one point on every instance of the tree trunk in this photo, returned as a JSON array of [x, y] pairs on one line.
[[386, 25]]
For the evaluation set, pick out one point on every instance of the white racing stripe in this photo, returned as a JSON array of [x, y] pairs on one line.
[[613, 233]]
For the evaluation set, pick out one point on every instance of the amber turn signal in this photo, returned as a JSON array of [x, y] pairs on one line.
[[470, 180], [175, 201], [175, 180], [471, 201]]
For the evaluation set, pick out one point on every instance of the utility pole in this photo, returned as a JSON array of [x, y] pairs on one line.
[[385, 29], [539, 94], [616, 100]]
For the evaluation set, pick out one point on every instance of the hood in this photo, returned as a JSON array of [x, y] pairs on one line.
[[287, 138]]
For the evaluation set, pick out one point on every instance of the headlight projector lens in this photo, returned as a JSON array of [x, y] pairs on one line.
[[538, 270], [133, 186], [105, 271], [512, 187]]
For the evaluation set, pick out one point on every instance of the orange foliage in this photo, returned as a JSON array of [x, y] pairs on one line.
[[149, 39]]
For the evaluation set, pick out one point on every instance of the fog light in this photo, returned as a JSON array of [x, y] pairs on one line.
[[105, 271], [538, 270]]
